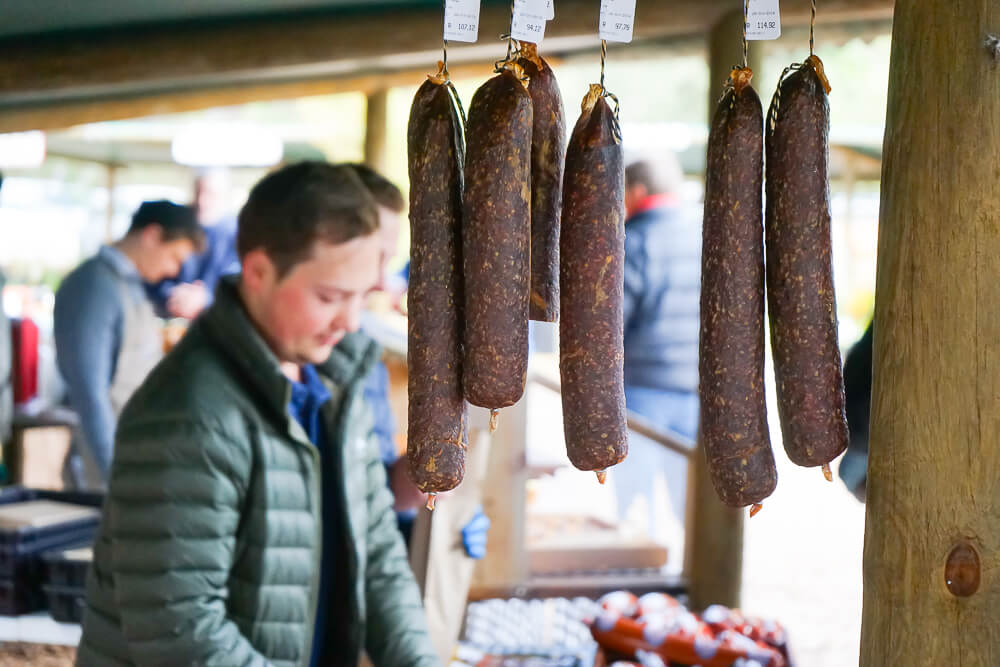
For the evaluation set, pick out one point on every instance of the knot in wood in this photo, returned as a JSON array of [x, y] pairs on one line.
[[962, 570], [993, 46]]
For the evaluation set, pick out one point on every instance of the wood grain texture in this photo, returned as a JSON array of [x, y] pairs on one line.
[[934, 465]]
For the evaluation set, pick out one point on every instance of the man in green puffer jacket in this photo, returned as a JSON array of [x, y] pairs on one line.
[[248, 520]]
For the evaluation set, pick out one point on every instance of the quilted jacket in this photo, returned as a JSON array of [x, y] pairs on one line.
[[209, 547]]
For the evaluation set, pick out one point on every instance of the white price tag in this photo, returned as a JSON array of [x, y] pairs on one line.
[[617, 20], [461, 20], [550, 9], [528, 21], [763, 20]]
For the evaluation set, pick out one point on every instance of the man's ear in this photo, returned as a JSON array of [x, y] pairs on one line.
[[258, 270], [638, 192], [151, 235]]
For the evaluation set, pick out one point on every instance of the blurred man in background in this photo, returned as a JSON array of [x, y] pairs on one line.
[[190, 291], [107, 335], [6, 366], [858, 400], [391, 205], [662, 293]]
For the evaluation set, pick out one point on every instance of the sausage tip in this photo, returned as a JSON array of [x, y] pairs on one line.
[[602, 475], [827, 473]]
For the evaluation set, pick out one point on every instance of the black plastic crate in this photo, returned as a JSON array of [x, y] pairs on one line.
[[20, 549], [20, 596], [66, 603], [17, 493], [67, 566]]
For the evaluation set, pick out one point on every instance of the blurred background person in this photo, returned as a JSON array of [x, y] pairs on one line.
[[391, 205], [858, 400], [190, 291], [6, 366], [107, 334], [662, 293]]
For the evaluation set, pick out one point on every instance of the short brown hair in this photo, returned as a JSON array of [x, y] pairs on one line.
[[295, 206], [661, 175], [175, 221], [384, 191]]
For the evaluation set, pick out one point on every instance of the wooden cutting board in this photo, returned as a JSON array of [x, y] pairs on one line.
[[42, 513]]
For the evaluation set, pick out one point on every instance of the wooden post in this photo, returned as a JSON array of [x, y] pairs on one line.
[[109, 223], [376, 126], [933, 511], [714, 543], [505, 566]]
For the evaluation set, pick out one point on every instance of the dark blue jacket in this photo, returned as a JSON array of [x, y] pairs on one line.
[[377, 397], [662, 291]]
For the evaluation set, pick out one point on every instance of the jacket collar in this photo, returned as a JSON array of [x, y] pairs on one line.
[[658, 200], [657, 212], [118, 262], [229, 325]]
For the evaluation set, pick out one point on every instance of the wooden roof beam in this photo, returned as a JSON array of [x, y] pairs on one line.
[[143, 62]]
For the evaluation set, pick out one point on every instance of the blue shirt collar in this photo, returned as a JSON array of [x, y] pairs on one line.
[[308, 396], [310, 385]]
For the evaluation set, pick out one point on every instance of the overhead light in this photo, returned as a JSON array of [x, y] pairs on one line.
[[22, 150], [226, 146]]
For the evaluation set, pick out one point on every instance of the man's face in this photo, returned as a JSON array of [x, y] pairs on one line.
[[310, 309], [388, 233], [159, 259]]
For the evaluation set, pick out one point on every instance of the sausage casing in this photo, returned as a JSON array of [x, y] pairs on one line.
[[801, 306], [548, 154], [733, 411], [437, 412], [591, 287], [496, 241]]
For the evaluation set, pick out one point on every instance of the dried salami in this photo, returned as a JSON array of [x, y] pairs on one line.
[[496, 241], [801, 305], [548, 154], [437, 412], [733, 412], [591, 287]]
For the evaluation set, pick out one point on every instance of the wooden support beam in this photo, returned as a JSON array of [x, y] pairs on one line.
[[60, 116], [505, 566], [935, 430], [42, 72], [112, 178], [714, 543], [376, 128]]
